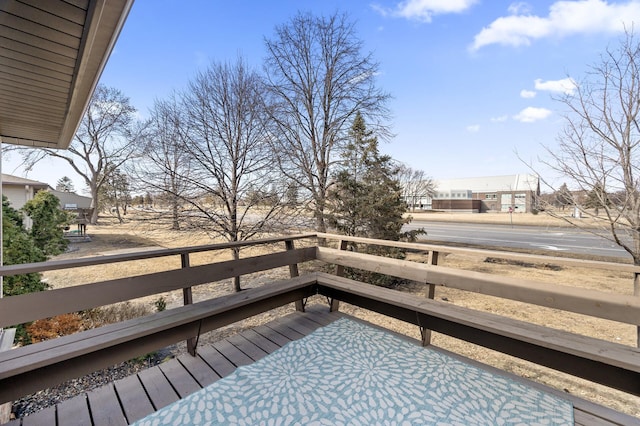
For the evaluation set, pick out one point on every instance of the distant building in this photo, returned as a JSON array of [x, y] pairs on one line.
[[78, 204], [72, 201], [19, 191], [486, 194]]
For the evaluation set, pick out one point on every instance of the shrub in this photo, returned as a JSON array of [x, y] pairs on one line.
[[118, 312], [50, 328], [160, 304]]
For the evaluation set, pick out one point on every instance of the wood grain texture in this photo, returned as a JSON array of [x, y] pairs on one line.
[[594, 303]]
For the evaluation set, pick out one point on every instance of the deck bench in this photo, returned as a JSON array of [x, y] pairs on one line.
[[27, 369], [611, 364]]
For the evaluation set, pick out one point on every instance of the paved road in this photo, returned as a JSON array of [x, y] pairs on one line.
[[528, 237]]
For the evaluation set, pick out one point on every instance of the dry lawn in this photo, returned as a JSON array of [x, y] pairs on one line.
[[110, 238]]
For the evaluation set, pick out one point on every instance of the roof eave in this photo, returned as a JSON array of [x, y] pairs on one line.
[[104, 23]]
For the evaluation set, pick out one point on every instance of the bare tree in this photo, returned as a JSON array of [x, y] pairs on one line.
[[115, 193], [235, 187], [416, 185], [103, 142], [163, 164], [599, 149], [317, 79]]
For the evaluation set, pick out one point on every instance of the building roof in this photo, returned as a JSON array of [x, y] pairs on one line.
[[52, 55], [16, 180], [520, 182], [71, 200]]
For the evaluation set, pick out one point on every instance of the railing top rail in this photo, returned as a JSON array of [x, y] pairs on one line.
[[594, 264], [100, 260], [115, 258]]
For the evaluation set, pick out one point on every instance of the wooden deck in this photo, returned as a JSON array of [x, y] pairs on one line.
[[132, 398]]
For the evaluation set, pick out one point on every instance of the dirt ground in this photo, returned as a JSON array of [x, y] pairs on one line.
[[110, 238]]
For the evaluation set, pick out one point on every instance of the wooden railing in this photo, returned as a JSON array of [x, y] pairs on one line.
[[29, 307], [616, 307], [95, 349]]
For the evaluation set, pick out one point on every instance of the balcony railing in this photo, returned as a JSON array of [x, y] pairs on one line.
[[30, 368]]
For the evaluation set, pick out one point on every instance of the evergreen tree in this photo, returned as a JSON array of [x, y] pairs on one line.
[[597, 198], [64, 184], [563, 197], [49, 221], [366, 200], [367, 197], [18, 247]]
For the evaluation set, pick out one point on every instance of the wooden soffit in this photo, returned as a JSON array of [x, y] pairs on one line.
[[52, 53]]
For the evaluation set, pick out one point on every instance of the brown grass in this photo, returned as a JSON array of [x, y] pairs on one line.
[[110, 238]]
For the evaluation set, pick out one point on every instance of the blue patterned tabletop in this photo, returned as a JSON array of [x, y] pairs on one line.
[[349, 373]]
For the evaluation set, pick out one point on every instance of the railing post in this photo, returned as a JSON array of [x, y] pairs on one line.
[[6, 342], [636, 293], [187, 297], [431, 293], [335, 304], [293, 272]]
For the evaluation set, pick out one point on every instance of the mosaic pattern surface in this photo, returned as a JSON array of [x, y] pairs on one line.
[[348, 373]]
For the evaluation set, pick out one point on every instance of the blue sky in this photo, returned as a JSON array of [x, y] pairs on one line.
[[472, 81]]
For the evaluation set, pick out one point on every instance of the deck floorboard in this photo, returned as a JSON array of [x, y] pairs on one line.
[[134, 397], [74, 411], [158, 387], [105, 406], [249, 348], [199, 369], [180, 378], [222, 366], [261, 341], [45, 416], [232, 353], [134, 400]]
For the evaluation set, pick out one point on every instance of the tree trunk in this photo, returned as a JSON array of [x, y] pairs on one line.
[[175, 225], [236, 280], [118, 214], [94, 206]]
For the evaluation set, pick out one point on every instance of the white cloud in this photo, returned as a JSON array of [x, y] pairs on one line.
[[474, 128], [499, 119], [527, 94], [424, 10], [532, 114], [566, 85], [565, 18], [520, 8]]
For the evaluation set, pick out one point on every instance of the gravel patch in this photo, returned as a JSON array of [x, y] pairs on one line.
[[71, 388]]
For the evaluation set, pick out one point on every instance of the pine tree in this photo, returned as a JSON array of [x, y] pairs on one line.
[[563, 197], [18, 247], [65, 184], [597, 198], [49, 221], [366, 199]]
